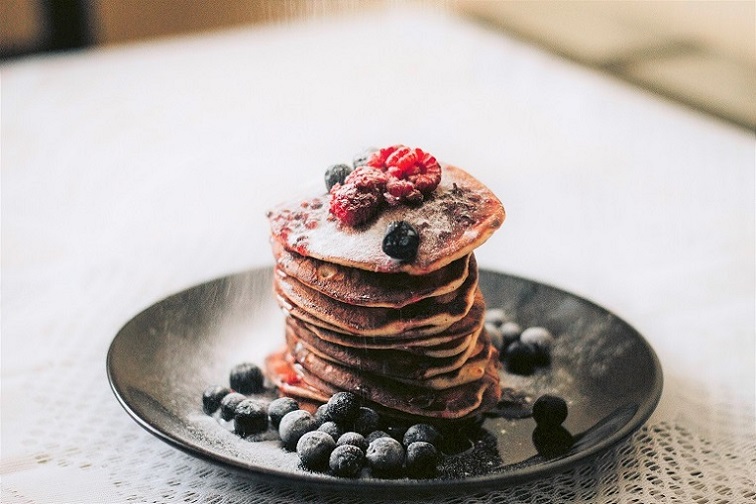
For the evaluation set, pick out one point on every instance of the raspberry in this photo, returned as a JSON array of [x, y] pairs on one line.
[[367, 180], [394, 174], [401, 190], [353, 207], [359, 198], [416, 166]]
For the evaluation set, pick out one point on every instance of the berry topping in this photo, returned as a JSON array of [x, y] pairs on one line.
[[250, 417], [385, 455], [314, 449], [280, 407], [336, 175], [422, 459], [420, 432], [343, 407], [246, 378], [549, 411], [212, 397], [293, 426], [346, 460], [401, 241], [414, 165], [228, 404], [393, 175]]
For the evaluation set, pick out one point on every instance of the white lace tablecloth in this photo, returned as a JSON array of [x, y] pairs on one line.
[[133, 172]]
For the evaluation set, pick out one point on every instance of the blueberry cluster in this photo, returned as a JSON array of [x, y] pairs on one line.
[[522, 351], [250, 415], [342, 436]]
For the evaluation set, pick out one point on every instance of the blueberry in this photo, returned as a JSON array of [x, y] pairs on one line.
[[280, 407], [542, 340], [246, 378], [385, 456], [401, 241], [321, 414], [422, 459], [510, 332], [293, 426], [552, 441], [228, 404], [420, 432], [367, 421], [520, 358], [332, 429], [336, 175], [396, 431], [212, 397], [362, 158], [250, 417], [495, 317], [353, 438], [314, 449], [346, 460], [343, 407], [549, 410], [375, 435]]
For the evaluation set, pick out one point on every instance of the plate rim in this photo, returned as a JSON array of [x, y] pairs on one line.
[[486, 482]]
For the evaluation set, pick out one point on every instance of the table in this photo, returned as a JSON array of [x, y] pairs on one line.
[[132, 172]]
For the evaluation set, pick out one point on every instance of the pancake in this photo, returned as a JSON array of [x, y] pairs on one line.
[[391, 363], [472, 370], [289, 378], [389, 397], [437, 346], [460, 215], [444, 344], [367, 288], [431, 315]]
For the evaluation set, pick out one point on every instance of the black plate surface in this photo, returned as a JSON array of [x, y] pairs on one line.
[[160, 362]]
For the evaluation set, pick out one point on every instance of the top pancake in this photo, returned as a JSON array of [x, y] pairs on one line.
[[460, 215]]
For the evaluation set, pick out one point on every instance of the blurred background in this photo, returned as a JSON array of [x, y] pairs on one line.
[[698, 53]]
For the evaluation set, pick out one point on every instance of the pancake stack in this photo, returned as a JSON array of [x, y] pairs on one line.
[[407, 336]]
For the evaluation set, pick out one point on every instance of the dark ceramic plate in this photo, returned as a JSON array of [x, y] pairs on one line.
[[160, 362]]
